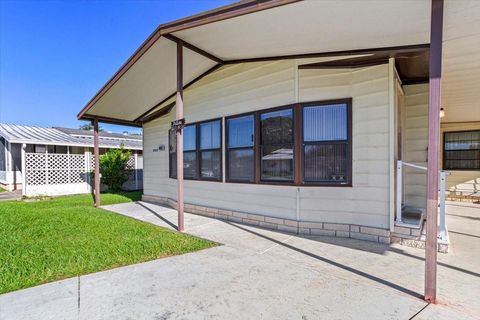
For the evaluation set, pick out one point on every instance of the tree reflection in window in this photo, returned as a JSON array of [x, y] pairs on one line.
[[277, 157]]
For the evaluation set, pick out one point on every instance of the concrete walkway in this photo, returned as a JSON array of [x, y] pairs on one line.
[[14, 195], [260, 274]]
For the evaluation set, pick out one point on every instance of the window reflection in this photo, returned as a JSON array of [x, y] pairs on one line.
[[277, 145]]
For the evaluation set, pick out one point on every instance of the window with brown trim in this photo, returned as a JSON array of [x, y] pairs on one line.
[[190, 152], [240, 152], [172, 156], [301, 144], [461, 150], [326, 143], [276, 145], [210, 146], [202, 151]]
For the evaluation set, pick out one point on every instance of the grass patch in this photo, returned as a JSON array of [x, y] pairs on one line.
[[2, 190], [53, 239]]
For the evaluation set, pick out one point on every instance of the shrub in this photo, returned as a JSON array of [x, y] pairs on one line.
[[113, 168]]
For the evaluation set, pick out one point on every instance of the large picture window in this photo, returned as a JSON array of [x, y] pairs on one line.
[[461, 150], [202, 151], [326, 150], [276, 145], [240, 148]]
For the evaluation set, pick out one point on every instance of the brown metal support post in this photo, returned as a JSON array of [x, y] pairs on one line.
[[436, 31], [179, 116], [96, 156]]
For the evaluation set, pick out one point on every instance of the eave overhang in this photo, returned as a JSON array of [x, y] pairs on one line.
[[254, 31]]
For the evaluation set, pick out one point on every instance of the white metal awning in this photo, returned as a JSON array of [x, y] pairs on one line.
[[261, 29], [52, 136]]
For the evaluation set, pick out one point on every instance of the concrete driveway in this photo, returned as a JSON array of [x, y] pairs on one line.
[[261, 274]]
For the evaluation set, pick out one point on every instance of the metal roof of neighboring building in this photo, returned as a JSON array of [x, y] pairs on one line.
[[66, 137], [103, 134]]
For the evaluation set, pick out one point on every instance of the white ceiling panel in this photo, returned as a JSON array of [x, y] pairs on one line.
[[315, 26], [461, 61], [150, 80]]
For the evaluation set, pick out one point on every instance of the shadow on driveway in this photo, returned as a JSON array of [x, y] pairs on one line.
[[333, 263]]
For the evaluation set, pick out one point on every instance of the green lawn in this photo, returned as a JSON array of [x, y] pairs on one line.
[[43, 241], [2, 190]]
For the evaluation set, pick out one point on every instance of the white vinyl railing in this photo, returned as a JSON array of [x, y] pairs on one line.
[[442, 229], [442, 226]]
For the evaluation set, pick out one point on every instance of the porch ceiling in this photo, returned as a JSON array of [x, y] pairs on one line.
[[461, 61], [288, 27], [148, 81], [315, 26]]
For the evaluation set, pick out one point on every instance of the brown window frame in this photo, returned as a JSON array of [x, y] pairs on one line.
[[298, 146], [444, 156], [170, 154], [294, 142], [254, 148], [198, 152], [348, 143]]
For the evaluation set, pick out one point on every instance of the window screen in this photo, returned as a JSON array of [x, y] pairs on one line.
[[240, 152], [325, 143], [210, 150], [461, 150], [172, 153], [202, 151], [189, 153]]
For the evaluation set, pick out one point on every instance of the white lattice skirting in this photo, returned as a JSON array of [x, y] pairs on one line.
[[56, 174], [53, 174]]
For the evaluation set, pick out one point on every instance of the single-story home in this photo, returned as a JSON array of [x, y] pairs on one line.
[[57, 160], [312, 117]]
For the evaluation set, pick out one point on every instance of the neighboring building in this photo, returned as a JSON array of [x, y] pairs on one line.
[[297, 112], [29, 148]]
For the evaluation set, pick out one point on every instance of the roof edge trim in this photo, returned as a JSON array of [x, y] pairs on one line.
[[121, 122]]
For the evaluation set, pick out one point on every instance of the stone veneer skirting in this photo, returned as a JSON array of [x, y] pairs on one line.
[[283, 225], [416, 237]]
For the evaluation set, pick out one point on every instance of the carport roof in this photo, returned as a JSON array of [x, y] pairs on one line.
[[53, 136], [280, 29]]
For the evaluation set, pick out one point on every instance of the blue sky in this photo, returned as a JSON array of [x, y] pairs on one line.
[[55, 55]]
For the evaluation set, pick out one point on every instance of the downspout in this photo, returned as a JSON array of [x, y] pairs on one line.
[[298, 204], [391, 141], [297, 99]]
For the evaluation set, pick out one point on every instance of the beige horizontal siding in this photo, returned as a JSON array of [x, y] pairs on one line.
[[242, 88], [416, 136]]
